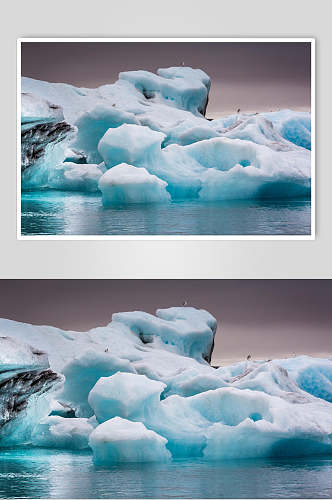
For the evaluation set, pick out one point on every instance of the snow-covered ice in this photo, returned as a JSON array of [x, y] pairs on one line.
[[157, 122], [142, 389]]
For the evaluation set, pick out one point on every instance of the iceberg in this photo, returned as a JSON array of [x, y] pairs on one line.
[[63, 433], [153, 128], [183, 330], [93, 125], [265, 426], [219, 168], [131, 144], [27, 385], [128, 184], [293, 126], [75, 177], [180, 87], [313, 375], [125, 395], [142, 389], [44, 137], [120, 440], [94, 365], [37, 111]]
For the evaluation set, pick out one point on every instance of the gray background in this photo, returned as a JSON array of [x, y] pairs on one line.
[[166, 259]]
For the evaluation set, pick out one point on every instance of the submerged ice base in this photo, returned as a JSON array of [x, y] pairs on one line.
[[142, 389], [156, 123]]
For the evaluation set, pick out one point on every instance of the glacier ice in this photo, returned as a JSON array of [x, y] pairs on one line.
[[63, 433], [131, 144], [15, 355], [157, 122], [128, 184], [219, 168], [45, 136], [125, 395], [259, 130], [261, 425], [142, 389], [26, 387], [121, 440], [75, 177], [313, 375], [93, 125], [83, 372], [293, 126], [35, 111], [181, 87], [185, 330]]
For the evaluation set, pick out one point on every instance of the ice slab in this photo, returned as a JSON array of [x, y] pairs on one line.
[[70, 176], [125, 395], [16, 355], [120, 440], [27, 385], [63, 433], [93, 125], [142, 389], [156, 122], [130, 144], [125, 184], [35, 110], [185, 330], [219, 168], [83, 372]]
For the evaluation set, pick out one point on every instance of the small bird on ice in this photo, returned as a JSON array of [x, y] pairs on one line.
[[184, 303], [249, 357]]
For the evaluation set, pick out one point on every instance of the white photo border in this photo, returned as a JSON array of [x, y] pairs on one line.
[[312, 235]]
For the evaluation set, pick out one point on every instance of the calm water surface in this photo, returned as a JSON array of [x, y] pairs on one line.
[[58, 474], [65, 213]]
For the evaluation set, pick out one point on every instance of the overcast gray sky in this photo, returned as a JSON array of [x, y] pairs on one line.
[[248, 75], [267, 318]]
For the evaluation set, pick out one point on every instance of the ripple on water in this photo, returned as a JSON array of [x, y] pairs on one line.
[[66, 213]]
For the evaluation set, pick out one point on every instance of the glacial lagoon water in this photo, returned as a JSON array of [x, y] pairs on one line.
[[68, 213], [42, 473]]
